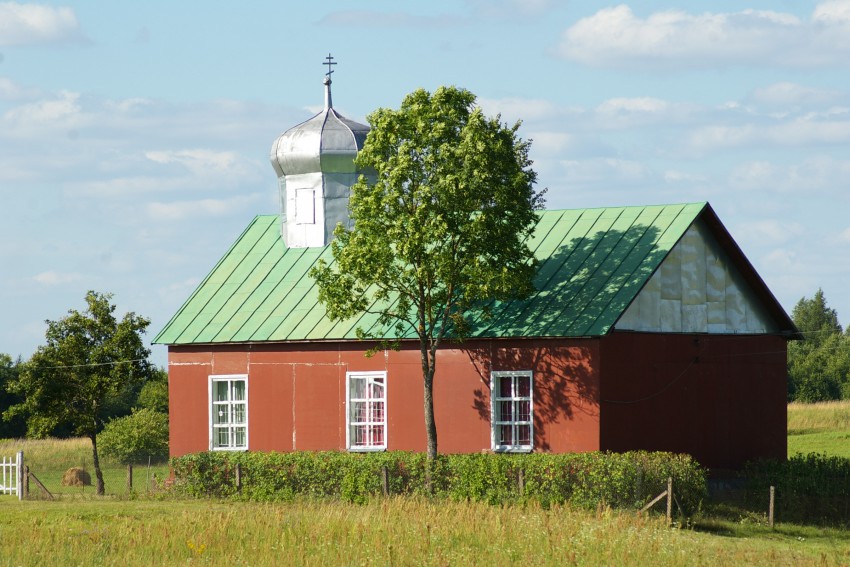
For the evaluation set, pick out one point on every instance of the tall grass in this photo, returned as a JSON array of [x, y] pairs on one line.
[[819, 428], [48, 459], [395, 531]]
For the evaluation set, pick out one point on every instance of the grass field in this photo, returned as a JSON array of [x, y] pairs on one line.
[[405, 531], [157, 528], [819, 428], [48, 459]]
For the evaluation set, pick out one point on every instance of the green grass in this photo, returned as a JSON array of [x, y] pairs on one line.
[[402, 531], [819, 428], [48, 459]]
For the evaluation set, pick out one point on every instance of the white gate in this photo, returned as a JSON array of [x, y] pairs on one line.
[[12, 475]]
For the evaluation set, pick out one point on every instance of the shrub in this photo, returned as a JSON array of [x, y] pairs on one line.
[[136, 437], [583, 479]]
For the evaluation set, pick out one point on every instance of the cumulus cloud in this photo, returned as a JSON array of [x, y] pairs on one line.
[[51, 277], [675, 39], [32, 24]]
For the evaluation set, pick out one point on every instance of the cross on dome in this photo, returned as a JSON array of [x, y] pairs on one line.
[[329, 60]]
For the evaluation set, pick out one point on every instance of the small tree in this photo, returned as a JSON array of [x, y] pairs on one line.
[[136, 437], [90, 360], [443, 227]]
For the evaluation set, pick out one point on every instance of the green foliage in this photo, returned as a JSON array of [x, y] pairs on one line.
[[136, 437], [584, 479], [819, 365], [13, 426], [154, 394], [91, 362], [809, 488], [440, 225]]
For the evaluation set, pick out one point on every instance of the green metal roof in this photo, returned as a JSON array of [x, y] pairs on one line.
[[593, 262]]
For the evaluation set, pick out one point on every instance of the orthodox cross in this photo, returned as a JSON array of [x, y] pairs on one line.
[[329, 60]]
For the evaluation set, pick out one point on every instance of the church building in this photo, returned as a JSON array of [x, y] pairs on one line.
[[649, 329]]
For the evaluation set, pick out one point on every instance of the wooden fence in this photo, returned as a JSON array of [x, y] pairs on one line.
[[12, 475]]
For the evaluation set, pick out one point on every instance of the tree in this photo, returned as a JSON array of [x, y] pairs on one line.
[[137, 437], [9, 369], [819, 365], [90, 360], [154, 394], [440, 227]]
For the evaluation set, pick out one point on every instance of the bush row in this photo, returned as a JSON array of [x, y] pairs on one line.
[[809, 487], [583, 479]]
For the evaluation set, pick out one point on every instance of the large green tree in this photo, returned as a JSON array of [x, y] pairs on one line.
[[91, 359], [819, 365], [440, 226]]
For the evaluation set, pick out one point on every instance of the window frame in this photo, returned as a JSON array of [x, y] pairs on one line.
[[496, 376], [229, 378], [349, 422]]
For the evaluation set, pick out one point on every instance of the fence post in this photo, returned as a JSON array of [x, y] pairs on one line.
[[385, 481], [26, 482], [771, 507], [20, 475], [238, 477], [130, 477], [521, 482], [669, 500]]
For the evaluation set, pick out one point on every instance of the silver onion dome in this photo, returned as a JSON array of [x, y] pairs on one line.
[[326, 142], [314, 162]]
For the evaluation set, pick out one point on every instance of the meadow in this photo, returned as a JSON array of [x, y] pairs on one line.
[[155, 527], [819, 428], [48, 459]]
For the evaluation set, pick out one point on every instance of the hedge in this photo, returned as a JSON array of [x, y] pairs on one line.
[[620, 480], [809, 488]]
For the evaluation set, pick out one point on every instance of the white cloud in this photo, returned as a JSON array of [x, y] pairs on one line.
[[181, 210], [616, 37], [31, 24], [812, 175], [10, 90], [788, 94], [781, 260], [770, 231], [51, 277], [198, 161], [845, 235], [63, 108], [831, 127], [526, 109]]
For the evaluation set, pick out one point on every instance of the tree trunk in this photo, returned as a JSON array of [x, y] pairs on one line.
[[430, 423], [101, 489]]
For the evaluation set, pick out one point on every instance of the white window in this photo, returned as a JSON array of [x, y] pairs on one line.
[[367, 411], [512, 410], [305, 206], [229, 412]]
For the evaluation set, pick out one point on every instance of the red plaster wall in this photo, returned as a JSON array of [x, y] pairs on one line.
[[297, 393], [720, 398]]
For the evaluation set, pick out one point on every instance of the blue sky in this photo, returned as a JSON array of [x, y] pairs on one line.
[[134, 137]]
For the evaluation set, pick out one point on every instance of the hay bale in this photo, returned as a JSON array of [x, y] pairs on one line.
[[75, 476]]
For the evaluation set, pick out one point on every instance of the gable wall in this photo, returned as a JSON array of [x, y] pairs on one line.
[[721, 399], [296, 393], [697, 289]]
